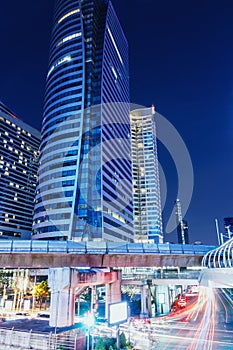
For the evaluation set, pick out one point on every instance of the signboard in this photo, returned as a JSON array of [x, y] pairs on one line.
[[117, 313], [161, 297], [26, 305]]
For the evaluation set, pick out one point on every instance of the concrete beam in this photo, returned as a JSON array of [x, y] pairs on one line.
[[46, 260], [216, 278], [162, 281]]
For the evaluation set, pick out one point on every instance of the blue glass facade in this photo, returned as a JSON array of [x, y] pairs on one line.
[[84, 189]]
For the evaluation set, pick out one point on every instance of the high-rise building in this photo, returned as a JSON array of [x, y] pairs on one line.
[[84, 190], [146, 186], [182, 225], [228, 224], [19, 152]]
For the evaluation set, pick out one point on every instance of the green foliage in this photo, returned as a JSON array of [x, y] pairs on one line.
[[100, 345], [123, 341], [110, 347], [109, 342]]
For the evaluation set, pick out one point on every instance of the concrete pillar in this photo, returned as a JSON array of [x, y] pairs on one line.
[[149, 301], [115, 289], [113, 292], [107, 299], [144, 312], [62, 305], [162, 299]]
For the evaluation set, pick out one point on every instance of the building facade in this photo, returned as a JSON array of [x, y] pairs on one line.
[[84, 190], [228, 225], [146, 186], [182, 225], [19, 152]]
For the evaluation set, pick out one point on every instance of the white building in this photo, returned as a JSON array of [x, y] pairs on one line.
[[146, 188]]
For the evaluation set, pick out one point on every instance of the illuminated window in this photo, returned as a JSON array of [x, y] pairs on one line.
[[58, 62], [67, 15], [70, 37]]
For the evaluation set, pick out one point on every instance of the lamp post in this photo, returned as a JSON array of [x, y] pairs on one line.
[[89, 321]]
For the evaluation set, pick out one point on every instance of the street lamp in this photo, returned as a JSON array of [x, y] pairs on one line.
[[89, 320]]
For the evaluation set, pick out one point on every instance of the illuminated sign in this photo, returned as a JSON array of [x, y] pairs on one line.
[[161, 298], [117, 313]]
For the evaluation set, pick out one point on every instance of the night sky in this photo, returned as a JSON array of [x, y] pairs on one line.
[[181, 59]]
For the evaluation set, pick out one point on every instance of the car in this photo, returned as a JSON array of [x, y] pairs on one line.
[[22, 315], [43, 315]]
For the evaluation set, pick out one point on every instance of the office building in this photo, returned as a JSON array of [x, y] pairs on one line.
[[19, 145], [182, 225], [228, 224], [146, 186], [84, 190]]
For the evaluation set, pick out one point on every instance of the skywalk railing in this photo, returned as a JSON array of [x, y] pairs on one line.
[[71, 247], [164, 275], [220, 257]]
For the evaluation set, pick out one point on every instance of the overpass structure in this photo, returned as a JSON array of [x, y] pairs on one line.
[[65, 258], [53, 254], [218, 267]]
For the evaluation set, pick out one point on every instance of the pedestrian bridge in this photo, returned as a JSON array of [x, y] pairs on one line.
[[44, 254], [218, 267]]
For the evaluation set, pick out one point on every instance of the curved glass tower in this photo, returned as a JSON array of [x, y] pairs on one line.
[[84, 188]]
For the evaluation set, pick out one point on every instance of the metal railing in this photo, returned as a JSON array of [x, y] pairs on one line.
[[15, 339], [220, 257], [163, 275]]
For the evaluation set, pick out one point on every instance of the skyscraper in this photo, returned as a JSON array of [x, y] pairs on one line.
[[84, 190], [228, 224], [182, 225], [146, 187], [19, 152]]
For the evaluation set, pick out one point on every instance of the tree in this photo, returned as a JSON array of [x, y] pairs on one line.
[[41, 291], [100, 345], [123, 341]]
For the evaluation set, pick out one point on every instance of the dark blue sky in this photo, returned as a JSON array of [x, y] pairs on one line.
[[181, 59]]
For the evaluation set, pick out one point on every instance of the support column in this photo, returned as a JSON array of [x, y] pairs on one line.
[[115, 289], [149, 301], [62, 305], [107, 299], [113, 292]]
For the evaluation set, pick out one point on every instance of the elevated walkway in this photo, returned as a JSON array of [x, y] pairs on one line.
[[44, 254]]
